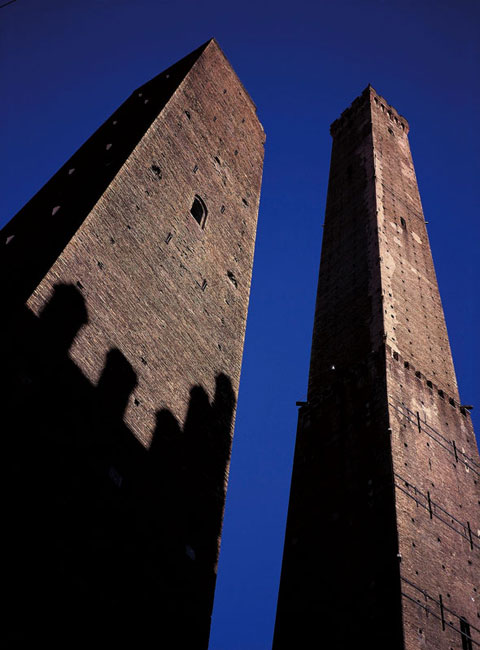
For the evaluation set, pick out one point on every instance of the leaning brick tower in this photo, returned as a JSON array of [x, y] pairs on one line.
[[126, 282], [382, 545]]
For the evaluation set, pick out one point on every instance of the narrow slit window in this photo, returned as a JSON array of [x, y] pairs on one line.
[[199, 211], [465, 632]]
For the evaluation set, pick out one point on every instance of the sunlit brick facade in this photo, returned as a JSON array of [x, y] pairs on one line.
[[382, 546], [126, 281]]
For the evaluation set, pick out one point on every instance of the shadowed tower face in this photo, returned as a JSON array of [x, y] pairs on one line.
[[127, 280], [383, 532]]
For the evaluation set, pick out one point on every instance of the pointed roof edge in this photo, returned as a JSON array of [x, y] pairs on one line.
[[215, 42], [180, 68], [184, 65]]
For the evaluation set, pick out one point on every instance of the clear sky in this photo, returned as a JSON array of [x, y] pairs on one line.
[[67, 65]]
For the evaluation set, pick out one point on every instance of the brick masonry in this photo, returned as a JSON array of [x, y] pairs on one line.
[[383, 523], [141, 310]]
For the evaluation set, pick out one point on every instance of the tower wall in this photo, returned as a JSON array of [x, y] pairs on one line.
[[385, 455], [435, 457], [177, 304], [125, 342]]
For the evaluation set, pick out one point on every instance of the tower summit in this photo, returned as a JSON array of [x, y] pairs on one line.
[[383, 533], [126, 281]]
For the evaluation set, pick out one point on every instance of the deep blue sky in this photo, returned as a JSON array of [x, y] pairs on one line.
[[66, 65]]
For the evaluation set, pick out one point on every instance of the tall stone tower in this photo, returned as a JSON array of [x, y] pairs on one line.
[[126, 281], [383, 535]]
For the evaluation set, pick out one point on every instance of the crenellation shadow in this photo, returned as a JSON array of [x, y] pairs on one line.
[[107, 542]]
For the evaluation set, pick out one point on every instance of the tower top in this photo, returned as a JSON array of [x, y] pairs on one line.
[[174, 75], [368, 97]]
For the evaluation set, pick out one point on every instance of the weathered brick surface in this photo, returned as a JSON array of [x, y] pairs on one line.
[[382, 528], [132, 328], [435, 458], [145, 295]]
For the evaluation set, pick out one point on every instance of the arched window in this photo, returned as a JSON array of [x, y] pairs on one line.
[[199, 211]]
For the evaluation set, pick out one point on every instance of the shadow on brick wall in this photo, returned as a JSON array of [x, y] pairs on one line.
[[107, 542]]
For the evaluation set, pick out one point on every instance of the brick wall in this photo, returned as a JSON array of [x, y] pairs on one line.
[[435, 458], [382, 533], [125, 363]]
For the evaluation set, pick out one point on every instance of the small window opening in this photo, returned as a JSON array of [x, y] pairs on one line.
[[429, 383], [406, 364], [418, 373], [187, 113], [232, 278], [199, 211], [452, 401], [441, 393], [403, 222], [395, 356], [189, 552], [465, 632], [217, 160], [245, 202], [222, 209], [156, 170], [195, 169], [115, 476], [390, 131], [168, 238]]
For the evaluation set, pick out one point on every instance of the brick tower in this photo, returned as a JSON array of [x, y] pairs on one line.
[[382, 544], [126, 281]]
